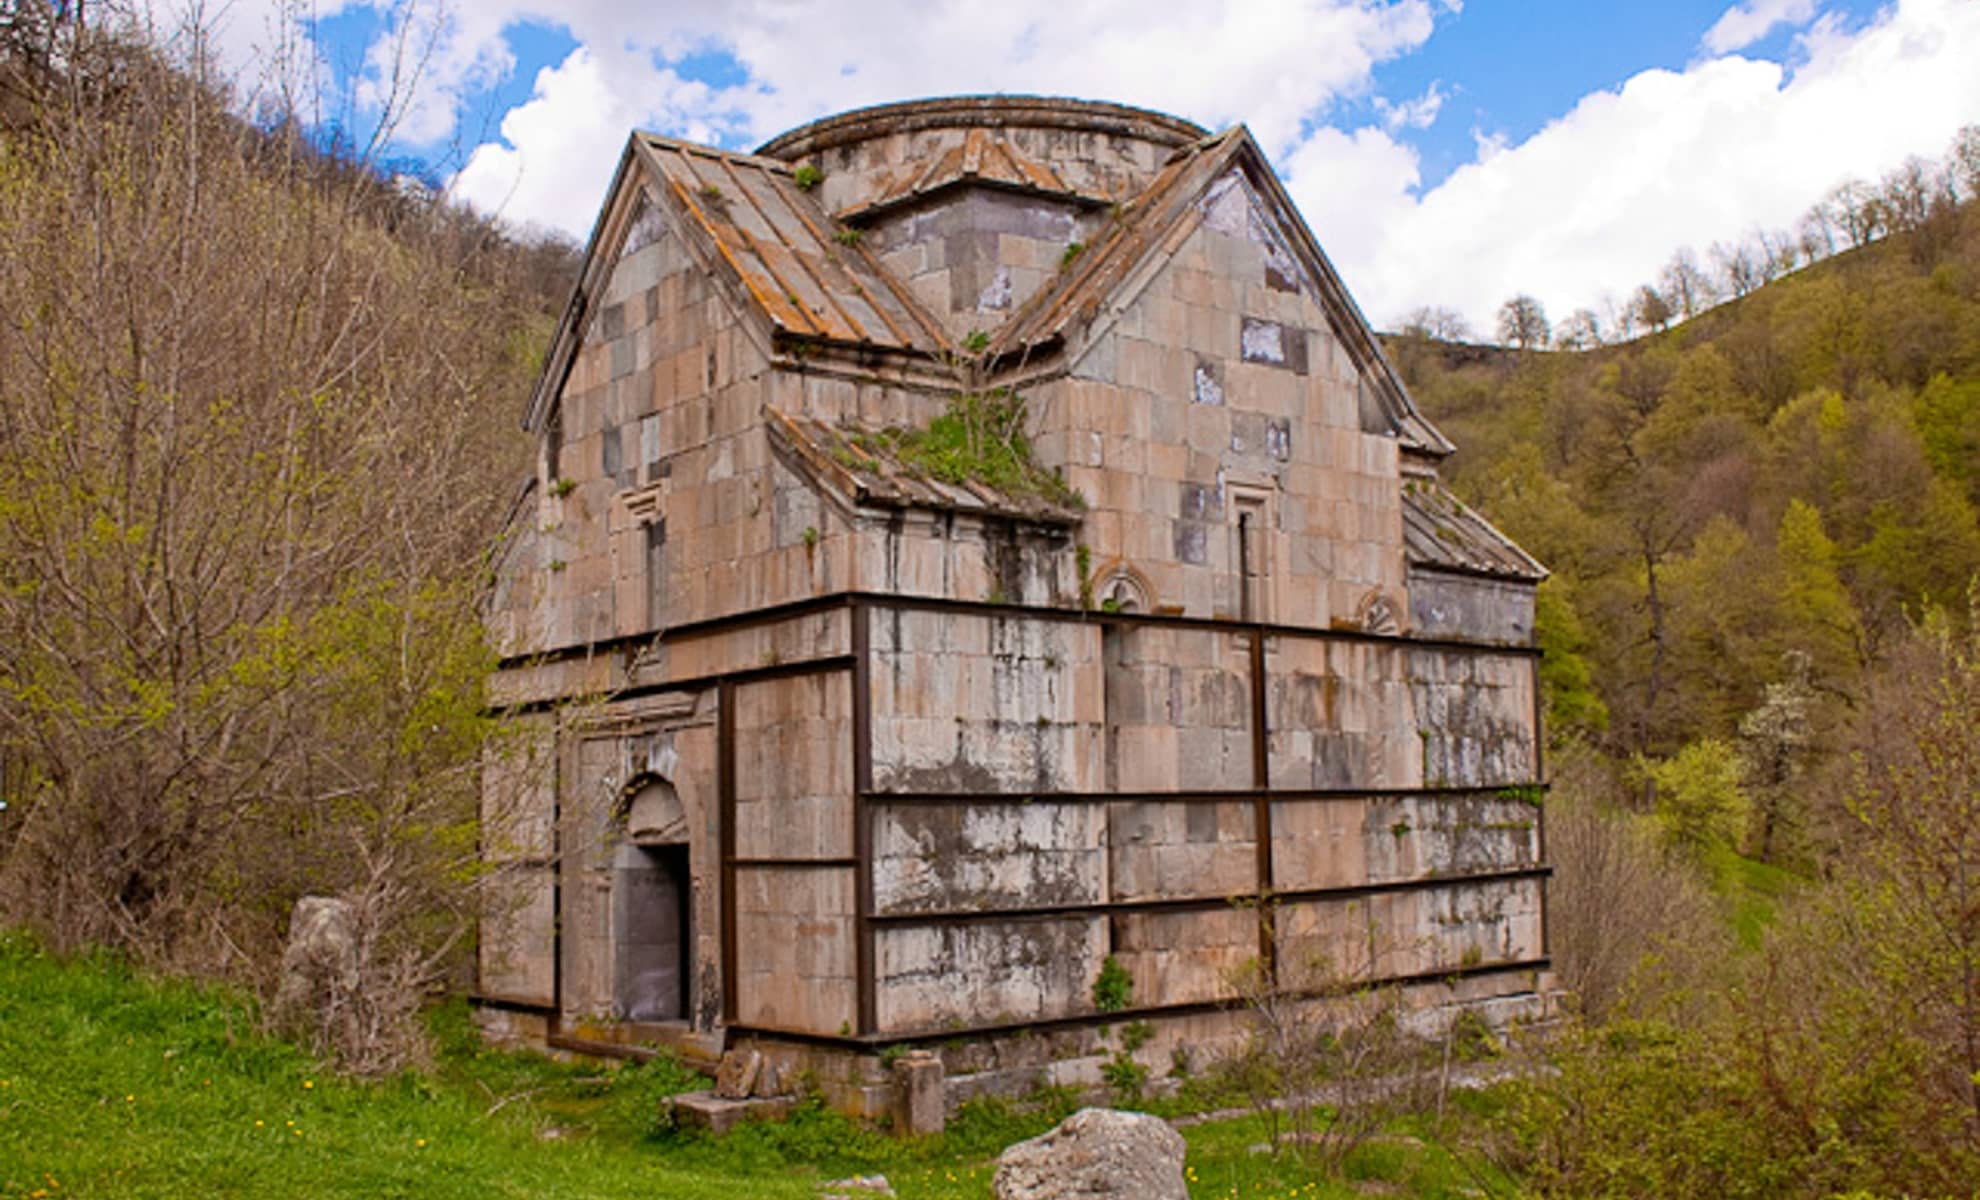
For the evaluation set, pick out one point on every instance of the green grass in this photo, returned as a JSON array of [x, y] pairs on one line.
[[978, 439], [1753, 891], [113, 1084]]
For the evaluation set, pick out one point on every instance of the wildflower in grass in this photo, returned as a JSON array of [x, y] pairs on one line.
[[308, 1084], [257, 1124], [420, 1142]]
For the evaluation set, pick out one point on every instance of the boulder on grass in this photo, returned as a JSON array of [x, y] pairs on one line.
[[320, 963], [1096, 1153]]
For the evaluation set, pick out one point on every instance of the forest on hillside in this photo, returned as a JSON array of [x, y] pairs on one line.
[[1749, 507], [1762, 688]]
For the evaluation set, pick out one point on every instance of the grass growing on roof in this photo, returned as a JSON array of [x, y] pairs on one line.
[[979, 439]]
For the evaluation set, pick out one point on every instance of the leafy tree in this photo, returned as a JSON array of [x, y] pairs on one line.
[[1817, 618], [1701, 800], [1948, 416], [1918, 810], [1567, 681]]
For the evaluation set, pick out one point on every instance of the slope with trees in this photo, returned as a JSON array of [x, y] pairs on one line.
[[256, 438], [1762, 680]]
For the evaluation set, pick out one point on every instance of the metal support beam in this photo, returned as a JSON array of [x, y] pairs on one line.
[[865, 984]]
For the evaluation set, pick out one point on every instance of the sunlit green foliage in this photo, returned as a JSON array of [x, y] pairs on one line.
[[1794, 470]]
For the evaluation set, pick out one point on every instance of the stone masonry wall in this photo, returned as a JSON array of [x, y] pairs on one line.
[[1221, 390]]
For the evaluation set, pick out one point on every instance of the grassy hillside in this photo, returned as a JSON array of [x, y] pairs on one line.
[[112, 1084]]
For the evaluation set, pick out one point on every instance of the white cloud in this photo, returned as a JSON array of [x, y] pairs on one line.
[[1595, 202], [1744, 24], [1420, 113], [1271, 63], [559, 149], [1599, 199]]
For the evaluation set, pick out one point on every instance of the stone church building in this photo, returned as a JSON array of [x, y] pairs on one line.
[[971, 541]]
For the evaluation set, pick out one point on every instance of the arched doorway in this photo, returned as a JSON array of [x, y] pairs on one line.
[[651, 932]]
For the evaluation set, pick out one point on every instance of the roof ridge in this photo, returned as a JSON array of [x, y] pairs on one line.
[[704, 150], [1017, 333]]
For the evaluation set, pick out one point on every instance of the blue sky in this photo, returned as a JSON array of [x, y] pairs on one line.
[[1445, 153]]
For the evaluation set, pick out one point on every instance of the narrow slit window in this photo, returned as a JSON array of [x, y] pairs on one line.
[[1248, 548], [656, 572]]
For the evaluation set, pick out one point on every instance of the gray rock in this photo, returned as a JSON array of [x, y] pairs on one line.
[[320, 963], [848, 1189], [1096, 1153]]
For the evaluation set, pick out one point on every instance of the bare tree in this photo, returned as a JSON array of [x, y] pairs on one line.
[[1652, 309], [1778, 253], [249, 473], [1857, 211], [1817, 234], [1963, 161], [1742, 269], [1437, 323], [1523, 323], [1621, 910], [1332, 1058], [1685, 285], [1581, 330], [1908, 193]]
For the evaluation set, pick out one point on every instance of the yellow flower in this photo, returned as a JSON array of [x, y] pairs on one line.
[[297, 1132], [257, 1124], [130, 1099], [421, 1142], [308, 1084]]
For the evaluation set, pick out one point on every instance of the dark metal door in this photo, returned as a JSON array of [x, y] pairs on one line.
[[650, 926]]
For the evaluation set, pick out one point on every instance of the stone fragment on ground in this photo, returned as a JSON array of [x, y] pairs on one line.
[[1095, 1154], [735, 1078], [859, 1187], [319, 964]]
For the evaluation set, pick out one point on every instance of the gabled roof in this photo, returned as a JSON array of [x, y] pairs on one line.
[[1092, 279], [769, 242], [763, 235], [1159, 220], [980, 158], [782, 246], [859, 465], [1443, 533]]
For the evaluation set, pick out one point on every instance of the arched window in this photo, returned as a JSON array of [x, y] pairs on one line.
[[651, 813]]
